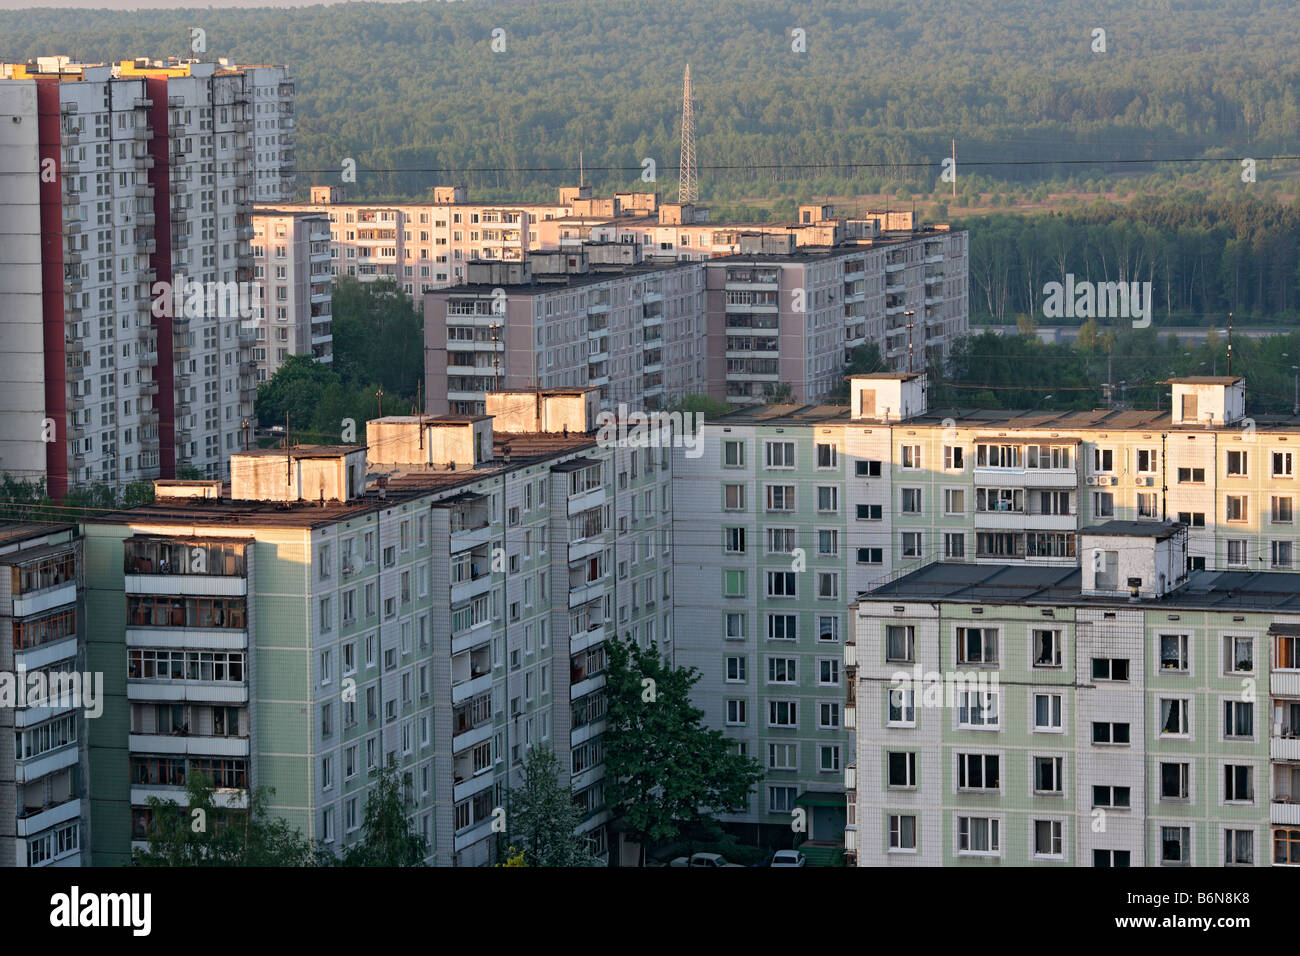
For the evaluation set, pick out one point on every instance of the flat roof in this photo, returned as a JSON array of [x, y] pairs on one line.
[[1160, 530], [1208, 380], [301, 451], [889, 376], [430, 419], [21, 530], [404, 483], [1027, 584]]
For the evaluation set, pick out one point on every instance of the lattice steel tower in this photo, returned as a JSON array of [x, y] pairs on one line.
[[689, 188]]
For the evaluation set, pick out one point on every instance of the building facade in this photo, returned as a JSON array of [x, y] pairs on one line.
[[1127, 712], [130, 356], [291, 269]]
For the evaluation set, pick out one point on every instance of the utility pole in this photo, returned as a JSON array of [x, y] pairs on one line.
[[908, 315], [954, 169], [1230, 343], [380, 395]]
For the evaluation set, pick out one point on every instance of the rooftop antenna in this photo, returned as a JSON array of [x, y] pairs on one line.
[[419, 410], [288, 458], [581, 175], [688, 190]]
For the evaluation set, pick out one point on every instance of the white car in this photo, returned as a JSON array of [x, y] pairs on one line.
[[788, 858], [710, 860]]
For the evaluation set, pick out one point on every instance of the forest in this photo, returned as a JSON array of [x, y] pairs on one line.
[[843, 97], [1205, 257]]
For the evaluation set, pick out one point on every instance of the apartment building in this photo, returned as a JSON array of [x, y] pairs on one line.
[[129, 359], [43, 811], [805, 506], [291, 269], [1126, 712], [438, 603], [271, 89], [555, 321]]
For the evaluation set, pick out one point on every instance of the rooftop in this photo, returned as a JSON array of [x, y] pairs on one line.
[[12, 531], [1160, 530], [1266, 591]]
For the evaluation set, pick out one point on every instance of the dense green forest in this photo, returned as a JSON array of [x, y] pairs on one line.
[[1204, 257], [1016, 82]]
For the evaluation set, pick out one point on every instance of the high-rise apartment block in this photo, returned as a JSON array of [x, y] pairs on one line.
[[1126, 712], [293, 305], [437, 603], [128, 190]]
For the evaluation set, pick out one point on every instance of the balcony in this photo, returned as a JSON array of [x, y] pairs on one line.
[[462, 691], [1284, 748], [189, 745], [32, 820]]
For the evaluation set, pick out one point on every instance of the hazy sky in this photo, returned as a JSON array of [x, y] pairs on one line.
[[163, 4]]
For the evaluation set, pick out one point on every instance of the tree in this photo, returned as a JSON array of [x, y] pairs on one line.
[[542, 816], [864, 360], [664, 770], [387, 837], [710, 407], [514, 857], [202, 834]]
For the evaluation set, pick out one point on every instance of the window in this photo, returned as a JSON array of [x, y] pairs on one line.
[[828, 715], [1191, 476], [733, 582], [781, 540], [911, 544], [779, 454], [1281, 553], [828, 499], [1238, 719], [900, 643], [1283, 509], [1282, 464], [902, 769], [1173, 717], [1117, 798], [828, 628], [1286, 846], [1238, 655], [1047, 838], [1147, 459], [910, 456], [781, 799], [781, 670], [1110, 668], [911, 504], [867, 469], [782, 713], [781, 584], [1193, 519], [871, 555], [1046, 647], [1175, 781], [902, 833], [735, 625], [1236, 463], [1103, 460], [978, 772], [736, 670], [1111, 858], [954, 501], [870, 512], [1238, 783], [1148, 504], [1173, 653], [1104, 732], [1047, 713], [978, 835], [954, 458], [826, 456], [735, 713], [733, 454], [1103, 504], [1237, 553], [977, 709], [828, 542], [977, 645], [828, 758], [954, 545], [781, 627], [733, 497], [1237, 508], [781, 498], [828, 585], [1238, 848], [828, 671], [902, 706], [733, 540], [782, 756]]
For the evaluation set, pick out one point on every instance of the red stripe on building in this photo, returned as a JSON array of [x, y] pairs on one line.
[[50, 152], [161, 263]]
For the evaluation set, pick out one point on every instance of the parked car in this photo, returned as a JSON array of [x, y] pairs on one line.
[[788, 858], [704, 859]]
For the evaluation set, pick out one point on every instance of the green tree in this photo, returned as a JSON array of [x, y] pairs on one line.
[[387, 837], [664, 769], [203, 834], [542, 816]]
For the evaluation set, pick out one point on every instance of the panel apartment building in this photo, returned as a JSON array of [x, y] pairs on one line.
[[557, 320], [293, 309], [118, 178], [1127, 712], [796, 509], [438, 603], [43, 806]]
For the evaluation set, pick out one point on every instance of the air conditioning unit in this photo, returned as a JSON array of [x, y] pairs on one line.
[[1113, 481], [1092, 479], [1150, 482]]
